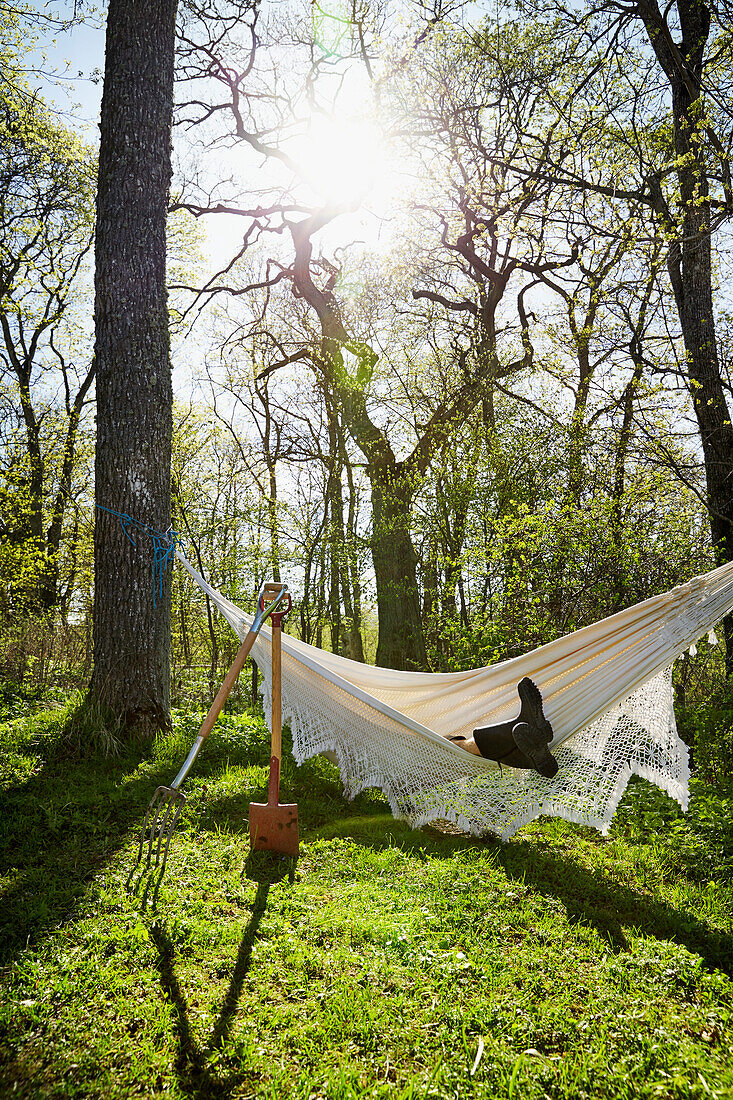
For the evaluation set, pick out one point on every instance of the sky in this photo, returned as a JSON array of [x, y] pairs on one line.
[[74, 62], [79, 54]]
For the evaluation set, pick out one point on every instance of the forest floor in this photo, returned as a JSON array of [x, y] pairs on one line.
[[387, 963]]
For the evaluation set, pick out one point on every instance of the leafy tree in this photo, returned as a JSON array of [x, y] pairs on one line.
[[343, 356], [490, 118], [46, 223], [653, 88]]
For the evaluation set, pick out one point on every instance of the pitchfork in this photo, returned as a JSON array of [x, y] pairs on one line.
[[167, 802]]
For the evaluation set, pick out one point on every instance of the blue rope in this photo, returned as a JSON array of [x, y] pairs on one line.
[[165, 545]]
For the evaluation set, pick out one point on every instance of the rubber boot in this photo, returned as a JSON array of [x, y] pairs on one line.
[[522, 742]]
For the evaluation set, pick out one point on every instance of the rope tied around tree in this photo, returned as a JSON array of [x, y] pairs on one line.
[[165, 544]]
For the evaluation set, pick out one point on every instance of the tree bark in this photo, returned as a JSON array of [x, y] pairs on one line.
[[350, 579], [401, 640], [690, 264], [131, 675]]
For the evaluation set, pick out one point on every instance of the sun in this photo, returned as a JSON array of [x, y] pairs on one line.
[[343, 160]]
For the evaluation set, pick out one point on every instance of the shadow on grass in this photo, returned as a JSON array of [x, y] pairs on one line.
[[63, 824], [58, 829], [195, 1078], [592, 897]]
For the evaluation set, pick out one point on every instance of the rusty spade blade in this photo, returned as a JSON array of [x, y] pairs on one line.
[[273, 825]]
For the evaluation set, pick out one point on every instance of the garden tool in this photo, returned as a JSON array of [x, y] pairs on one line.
[[274, 827], [167, 802]]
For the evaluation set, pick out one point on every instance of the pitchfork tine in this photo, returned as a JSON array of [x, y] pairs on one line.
[[165, 830], [153, 828]]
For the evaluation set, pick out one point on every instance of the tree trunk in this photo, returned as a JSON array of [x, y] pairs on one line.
[[350, 579], [49, 590], [708, 395], [431, 632], [401, 640], [618, 570], [690, 264], [134, 395]]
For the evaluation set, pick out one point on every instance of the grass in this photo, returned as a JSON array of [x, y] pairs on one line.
[[387, 963]]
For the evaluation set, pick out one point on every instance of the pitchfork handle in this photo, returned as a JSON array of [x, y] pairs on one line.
[[229, 682], [216, 706], [278, 595]]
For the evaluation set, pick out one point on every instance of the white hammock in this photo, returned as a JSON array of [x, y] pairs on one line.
[[607, 690]]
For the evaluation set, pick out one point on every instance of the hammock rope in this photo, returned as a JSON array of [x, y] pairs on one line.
[[165, 545]]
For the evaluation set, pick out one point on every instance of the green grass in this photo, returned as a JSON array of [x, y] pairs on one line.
[[387, 963]]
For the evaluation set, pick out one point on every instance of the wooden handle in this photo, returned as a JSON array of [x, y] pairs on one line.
[[276, 723], [276, 743], [226, 687]]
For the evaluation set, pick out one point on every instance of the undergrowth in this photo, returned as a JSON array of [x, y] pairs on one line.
[[387, 963]]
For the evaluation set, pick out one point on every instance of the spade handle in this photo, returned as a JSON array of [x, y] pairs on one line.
[[276, 743], [229, 681]]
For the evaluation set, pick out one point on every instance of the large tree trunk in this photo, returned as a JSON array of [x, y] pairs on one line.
[[706, 388], [690, 265], [134, 395]]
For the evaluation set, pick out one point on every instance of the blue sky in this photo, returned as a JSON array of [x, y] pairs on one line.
[[73, 56]]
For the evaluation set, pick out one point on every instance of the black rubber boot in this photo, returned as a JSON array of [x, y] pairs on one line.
[[532, 712], [534, 748], [523, 741]]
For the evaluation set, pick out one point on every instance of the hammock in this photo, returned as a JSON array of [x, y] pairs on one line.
[[607, 691]]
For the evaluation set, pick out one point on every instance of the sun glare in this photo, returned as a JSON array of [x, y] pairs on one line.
[[343, 161]]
